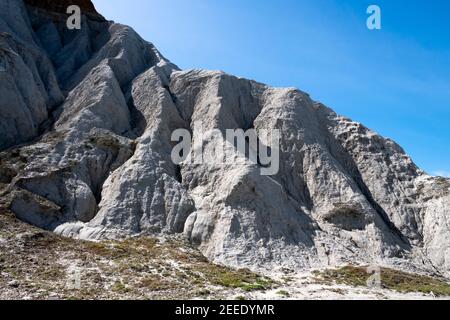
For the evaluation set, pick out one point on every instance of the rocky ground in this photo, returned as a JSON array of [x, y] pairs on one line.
[[36, 264]]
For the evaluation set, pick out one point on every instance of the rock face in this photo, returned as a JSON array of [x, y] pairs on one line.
[[85, 128]]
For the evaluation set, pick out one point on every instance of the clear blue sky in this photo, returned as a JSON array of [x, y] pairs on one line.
[[396, 80]]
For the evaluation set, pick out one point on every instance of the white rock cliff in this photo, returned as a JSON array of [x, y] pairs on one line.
[[85, 132]]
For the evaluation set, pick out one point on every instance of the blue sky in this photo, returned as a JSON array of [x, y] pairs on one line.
[[395, 80]]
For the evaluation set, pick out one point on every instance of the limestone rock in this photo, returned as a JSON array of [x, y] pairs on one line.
[[29, 88], [97, 108]]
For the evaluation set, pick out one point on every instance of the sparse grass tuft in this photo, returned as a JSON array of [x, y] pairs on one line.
[[283, 293], [119, 287]]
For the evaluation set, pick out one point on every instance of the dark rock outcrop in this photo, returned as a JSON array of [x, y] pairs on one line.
[[60, 6]]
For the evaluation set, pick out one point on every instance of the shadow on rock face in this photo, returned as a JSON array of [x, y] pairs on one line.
[[346, 216]]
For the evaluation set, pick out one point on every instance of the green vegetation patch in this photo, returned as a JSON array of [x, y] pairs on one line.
[[283, 293], [243, 278], [390, 279]]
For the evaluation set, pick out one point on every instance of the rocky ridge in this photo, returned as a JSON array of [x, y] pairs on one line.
[[85, 126]]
